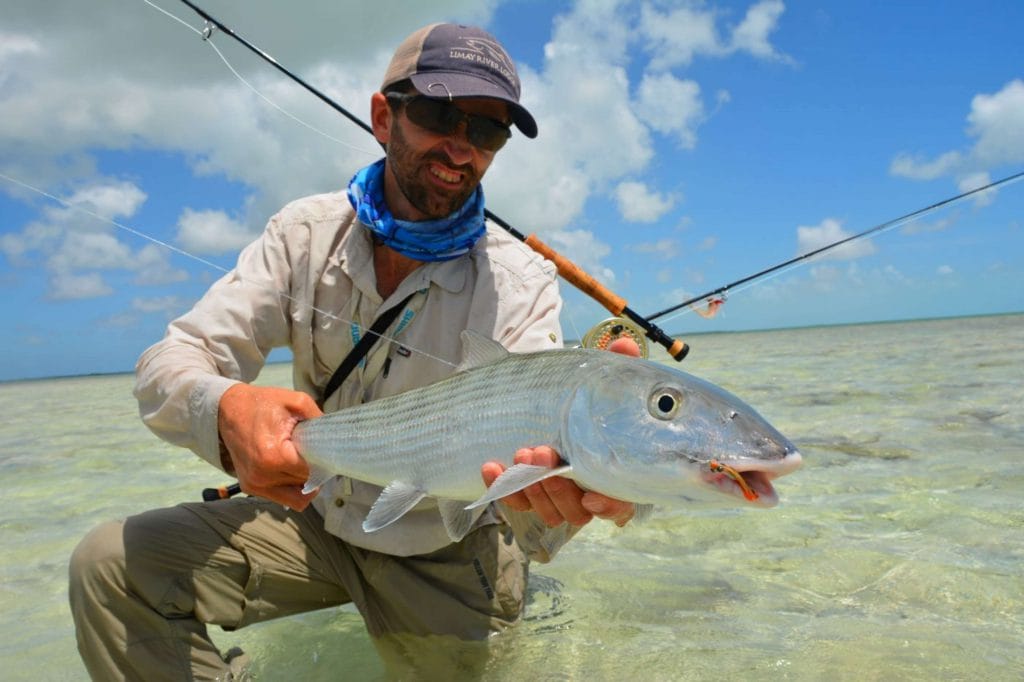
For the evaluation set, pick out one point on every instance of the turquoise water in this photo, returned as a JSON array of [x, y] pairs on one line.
[[897, 551]]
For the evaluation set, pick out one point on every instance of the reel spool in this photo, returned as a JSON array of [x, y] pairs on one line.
[[603, 333]]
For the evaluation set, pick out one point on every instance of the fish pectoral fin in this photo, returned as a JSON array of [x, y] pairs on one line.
[[643, 512], [392, 504], [458, 520], [517, 477], [318, 475]]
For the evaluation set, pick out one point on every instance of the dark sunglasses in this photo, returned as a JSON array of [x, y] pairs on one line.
[[441, 117]]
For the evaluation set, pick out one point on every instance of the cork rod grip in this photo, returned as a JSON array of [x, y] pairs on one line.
[[577, 277]]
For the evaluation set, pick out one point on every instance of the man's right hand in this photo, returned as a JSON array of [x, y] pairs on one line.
[[255, 425]]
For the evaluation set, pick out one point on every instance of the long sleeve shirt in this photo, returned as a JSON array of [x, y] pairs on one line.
[[308, 283]]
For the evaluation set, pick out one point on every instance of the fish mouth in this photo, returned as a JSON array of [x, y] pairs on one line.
[[751, 480]]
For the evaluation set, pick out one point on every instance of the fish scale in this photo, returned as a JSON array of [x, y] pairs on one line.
[[470, 411]]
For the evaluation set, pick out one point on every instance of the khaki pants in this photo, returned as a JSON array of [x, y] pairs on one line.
[[143, 590]]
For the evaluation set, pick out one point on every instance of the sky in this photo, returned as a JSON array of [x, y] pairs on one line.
[[683, 145]]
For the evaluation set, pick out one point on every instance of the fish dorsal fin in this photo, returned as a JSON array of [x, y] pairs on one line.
[[517, 477], [458, 520], [478, 350], [392, 504]]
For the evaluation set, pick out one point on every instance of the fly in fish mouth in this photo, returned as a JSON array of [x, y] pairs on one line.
[[752, 480]]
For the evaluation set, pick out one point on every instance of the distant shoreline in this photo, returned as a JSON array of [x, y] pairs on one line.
[[570, 342]]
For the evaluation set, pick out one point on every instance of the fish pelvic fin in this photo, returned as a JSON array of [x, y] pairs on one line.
[[643, 512], [318, 475], [458, 520], [479, 350], [392, 504], [517, 477]]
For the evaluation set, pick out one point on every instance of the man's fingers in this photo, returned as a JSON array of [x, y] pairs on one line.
[[609, 508]]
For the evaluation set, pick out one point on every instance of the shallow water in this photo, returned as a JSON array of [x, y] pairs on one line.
[[896, 553]]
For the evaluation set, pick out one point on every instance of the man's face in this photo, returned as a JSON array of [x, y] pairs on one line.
[[435, 174]]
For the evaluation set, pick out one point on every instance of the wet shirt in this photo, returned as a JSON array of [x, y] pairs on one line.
[[308, 283]]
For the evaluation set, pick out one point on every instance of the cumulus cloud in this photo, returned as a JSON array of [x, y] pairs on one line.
[[975, 181], [211, 232], [997, 122], [996, 126], [664, 249], [829, 231], [671, 106], [677, 36], [150, 84], [638, 204], [918, 168], [76, 248]]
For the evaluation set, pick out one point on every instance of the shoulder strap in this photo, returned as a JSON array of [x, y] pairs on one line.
[[363, 347]]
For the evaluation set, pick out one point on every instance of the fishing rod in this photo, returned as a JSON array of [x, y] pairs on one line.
[[722, 290], [569, 271]]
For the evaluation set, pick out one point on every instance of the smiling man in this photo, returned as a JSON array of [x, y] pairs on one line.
[[405, 249]]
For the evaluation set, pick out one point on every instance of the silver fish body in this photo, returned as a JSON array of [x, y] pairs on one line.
[[628, 428]]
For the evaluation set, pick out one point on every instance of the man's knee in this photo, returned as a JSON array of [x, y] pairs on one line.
[[97, 564]]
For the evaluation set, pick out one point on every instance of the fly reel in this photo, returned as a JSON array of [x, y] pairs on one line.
[[603, 333]]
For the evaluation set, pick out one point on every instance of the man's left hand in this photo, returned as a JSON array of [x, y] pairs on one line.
[[558, 500]]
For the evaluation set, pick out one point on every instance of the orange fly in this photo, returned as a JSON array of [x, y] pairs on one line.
[[720, 468]]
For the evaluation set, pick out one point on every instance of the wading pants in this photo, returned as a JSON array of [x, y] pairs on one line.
[[143, 590]]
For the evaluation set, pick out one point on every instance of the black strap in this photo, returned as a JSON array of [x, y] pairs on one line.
[[363, 347]]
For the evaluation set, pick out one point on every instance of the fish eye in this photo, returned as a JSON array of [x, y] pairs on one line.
[[664, 403]]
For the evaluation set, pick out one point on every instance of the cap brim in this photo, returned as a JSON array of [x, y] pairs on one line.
[[452, 85]]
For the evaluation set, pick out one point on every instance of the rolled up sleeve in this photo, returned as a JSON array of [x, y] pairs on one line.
[[223, 340]]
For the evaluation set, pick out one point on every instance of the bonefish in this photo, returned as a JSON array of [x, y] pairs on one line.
[[627, 428]]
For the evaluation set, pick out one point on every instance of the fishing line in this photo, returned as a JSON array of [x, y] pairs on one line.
[[210, 264], [208, 39], [785, 266]]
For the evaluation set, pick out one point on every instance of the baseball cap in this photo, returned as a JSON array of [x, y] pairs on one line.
[[452, 61]]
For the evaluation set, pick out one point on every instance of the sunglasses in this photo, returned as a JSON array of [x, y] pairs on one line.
[[443, 118]]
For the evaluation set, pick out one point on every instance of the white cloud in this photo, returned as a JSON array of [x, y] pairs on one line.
[[664, 249], [638, 204], [828, 232], [676, 37], [76, 249], [588, 252], [975, 181], [752, 35], [71, 286], [996, 124], [707, 243], [944, 270], [997, 121], [916, 168], [210, 232], [671, 106], [151, 84]]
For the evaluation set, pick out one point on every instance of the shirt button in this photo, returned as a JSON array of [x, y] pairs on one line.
[[339, 502]]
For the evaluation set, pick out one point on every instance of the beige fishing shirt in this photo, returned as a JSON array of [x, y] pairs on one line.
[[308, 283]]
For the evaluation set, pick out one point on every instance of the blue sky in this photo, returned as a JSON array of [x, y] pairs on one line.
[[683, 145]]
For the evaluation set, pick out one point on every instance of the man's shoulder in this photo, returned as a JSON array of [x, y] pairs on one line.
[[329, 206], [511, 255]]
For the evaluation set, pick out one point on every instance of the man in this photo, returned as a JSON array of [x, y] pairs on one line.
[[409, 236]]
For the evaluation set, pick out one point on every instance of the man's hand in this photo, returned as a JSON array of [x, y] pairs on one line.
[[255, 425], [557, 500]]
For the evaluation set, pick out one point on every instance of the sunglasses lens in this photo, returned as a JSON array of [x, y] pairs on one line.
[[486, 134], [443, 118]]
